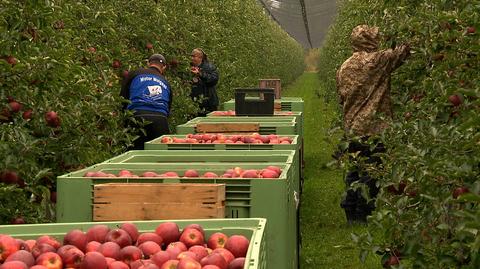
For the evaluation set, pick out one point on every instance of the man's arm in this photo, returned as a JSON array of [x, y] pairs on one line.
[[125, 90], [396, 56]]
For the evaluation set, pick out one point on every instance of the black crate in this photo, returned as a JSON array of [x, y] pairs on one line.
[[254, 102]]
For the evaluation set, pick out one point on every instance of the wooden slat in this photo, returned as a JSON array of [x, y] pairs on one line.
[[227, 127], [277, 106], [147, 201]]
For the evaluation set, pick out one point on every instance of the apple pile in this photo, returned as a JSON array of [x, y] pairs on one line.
[[124, 247], [232, 113], [270, 171], [254, 138]]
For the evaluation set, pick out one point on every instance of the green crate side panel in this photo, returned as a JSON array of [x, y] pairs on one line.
[[265, 129], [156, 144], [287, 104], [275, 209], [252, 228], [154, 156], [69, 193], [232, 119]]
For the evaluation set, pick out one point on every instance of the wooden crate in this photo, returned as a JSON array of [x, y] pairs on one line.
[[156, 201], [227, 127], [273, 83]]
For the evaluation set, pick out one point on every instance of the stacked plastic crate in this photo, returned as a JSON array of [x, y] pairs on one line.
[[157, 184]]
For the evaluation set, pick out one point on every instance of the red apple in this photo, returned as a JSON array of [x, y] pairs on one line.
[[76, 238], [125, 73], [131, 229], [237, 263], [178, 244], [217, 240], [267, 173], [14, 265], [15, 106], [191, 173], [188, 263], [149, 174], [11, 60], [168, 231], [92, 246], [129, 254], [119, 236], [92, 49], [46, 239], [149, 46], [210, 266], [51, 260], [392, 260], [109, 260], [170, 264], [201, 251], [139, 263], [238, 245], [191, 237], [144, 237], [9, 177], [188, 255], [39, 249], [22, 245], [17, 220], [471, 30], [166, 140], [275, 168], [110, 249], [71, 256], [174, 251], [149, 248], [170, 174], [210, 175], [118, 265], [125, 173], [52, 119], [149, 266], [455, 99], [251, 173], [97, 233], [22, 256], [94, 260], [116, 64], [214, 259], [459, 191], [226, 254], [160, 257], [38, 267]]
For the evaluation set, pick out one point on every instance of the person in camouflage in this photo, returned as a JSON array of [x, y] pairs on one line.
[[363, 85]]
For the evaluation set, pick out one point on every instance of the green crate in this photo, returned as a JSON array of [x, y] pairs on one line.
[[245, 198], [286, 103], [252, 228], [285, 126], [297, 114], [156, 144], [202, 156]]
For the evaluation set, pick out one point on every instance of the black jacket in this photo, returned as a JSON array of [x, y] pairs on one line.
[[205, 85]]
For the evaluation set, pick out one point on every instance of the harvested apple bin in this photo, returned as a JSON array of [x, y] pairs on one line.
[[124, 247], [270, 171], [219, 138], [232, 113]]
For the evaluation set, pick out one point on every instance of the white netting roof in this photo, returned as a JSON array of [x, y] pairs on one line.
[[307, 21]]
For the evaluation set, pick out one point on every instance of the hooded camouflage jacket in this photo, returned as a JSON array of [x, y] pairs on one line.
[[363, 82]]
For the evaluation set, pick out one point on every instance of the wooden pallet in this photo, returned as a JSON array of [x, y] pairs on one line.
[[156, 201]]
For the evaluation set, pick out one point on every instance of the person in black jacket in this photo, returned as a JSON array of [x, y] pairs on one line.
[[204, 82], [150, 98]]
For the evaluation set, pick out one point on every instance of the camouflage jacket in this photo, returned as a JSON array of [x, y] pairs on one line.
[[363, 82]]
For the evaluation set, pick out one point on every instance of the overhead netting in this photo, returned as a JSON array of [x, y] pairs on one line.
[[307, 21]]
